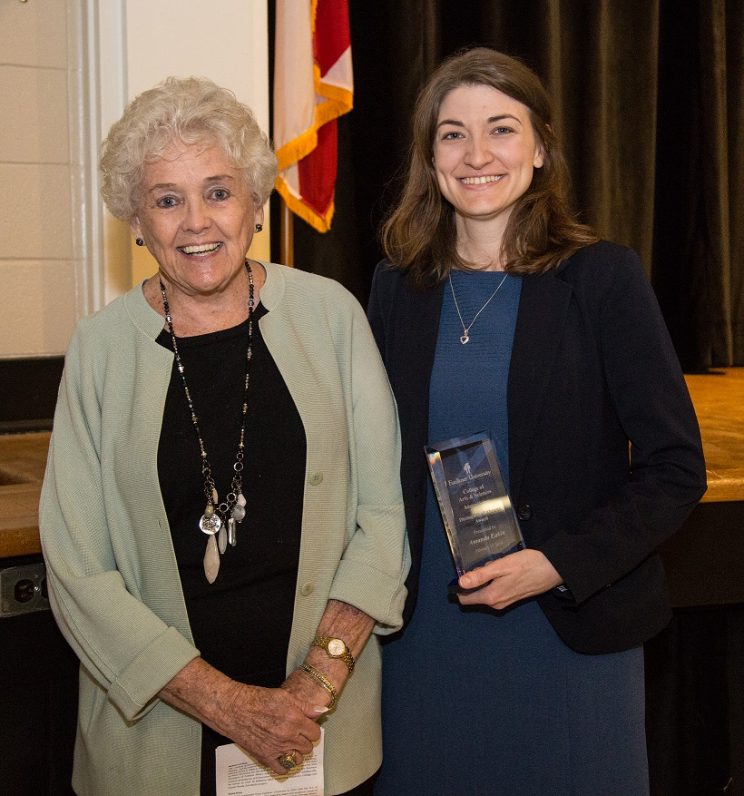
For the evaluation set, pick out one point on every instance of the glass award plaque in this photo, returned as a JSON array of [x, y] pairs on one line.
[[477, 512]]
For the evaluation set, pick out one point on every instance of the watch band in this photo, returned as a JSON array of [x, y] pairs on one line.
[[335, 648], [323, 680]]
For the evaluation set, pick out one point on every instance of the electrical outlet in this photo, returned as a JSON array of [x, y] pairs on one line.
[[23, 589]]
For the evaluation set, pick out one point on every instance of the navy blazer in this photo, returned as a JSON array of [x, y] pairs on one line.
[[592, 370]]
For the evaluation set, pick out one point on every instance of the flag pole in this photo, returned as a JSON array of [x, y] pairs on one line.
[[286, 235]]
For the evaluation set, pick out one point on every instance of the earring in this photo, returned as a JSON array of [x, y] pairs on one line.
[[139, 241], [259, 227]]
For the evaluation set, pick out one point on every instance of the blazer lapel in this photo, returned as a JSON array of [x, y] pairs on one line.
[[416, 330], [540, 321]]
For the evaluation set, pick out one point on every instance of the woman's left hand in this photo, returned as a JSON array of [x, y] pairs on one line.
[[510, 579]]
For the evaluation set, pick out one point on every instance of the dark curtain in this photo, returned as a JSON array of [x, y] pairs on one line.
[[648, 96]]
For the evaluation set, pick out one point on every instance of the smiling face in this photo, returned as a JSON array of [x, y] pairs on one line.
[[197, 217], [485, 152]]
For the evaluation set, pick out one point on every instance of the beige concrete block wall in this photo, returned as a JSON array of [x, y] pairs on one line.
[[37, 262]]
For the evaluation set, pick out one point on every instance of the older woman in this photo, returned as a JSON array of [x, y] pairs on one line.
[[498, 311], [221, 516]]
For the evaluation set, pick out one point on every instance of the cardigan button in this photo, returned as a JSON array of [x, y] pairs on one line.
[[524, 511], [316, 478], [307, 589]]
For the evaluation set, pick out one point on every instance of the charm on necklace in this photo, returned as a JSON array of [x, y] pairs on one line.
[[210, 522], [465, 336], [211, 560], [238, 513]]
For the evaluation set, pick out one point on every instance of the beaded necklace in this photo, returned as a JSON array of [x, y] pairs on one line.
[[220, 519]]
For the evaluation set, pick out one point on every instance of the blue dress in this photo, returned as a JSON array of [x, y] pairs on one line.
[[483, 702]]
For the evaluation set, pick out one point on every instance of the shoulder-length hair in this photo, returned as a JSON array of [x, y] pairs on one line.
[[192, 110], [419, 235]]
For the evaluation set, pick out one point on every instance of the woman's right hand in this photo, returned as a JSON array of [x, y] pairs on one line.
[[266, 722], [269, 722], [510, 579]]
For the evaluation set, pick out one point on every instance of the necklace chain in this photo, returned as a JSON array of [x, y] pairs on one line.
[[465, 338], [220, 517]]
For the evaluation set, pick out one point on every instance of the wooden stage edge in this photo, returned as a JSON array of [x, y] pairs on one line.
[[718, 398]]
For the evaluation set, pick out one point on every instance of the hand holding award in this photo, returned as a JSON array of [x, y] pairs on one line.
[[476, 510]]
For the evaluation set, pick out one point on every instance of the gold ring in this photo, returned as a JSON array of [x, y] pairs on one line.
[[288, 760]]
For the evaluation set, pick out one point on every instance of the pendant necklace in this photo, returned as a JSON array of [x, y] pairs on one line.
[[465, 338], [220, 519]]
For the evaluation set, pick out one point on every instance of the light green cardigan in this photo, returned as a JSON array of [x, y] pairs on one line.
[[114, 584]]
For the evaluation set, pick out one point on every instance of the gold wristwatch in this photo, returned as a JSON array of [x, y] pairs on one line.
[[336, 648]]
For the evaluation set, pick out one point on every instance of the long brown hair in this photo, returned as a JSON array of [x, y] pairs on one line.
[[420, 236]]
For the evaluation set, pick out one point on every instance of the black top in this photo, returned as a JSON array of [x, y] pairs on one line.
[[241, 623]]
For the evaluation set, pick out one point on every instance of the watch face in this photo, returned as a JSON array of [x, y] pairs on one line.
[[336, 646]]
